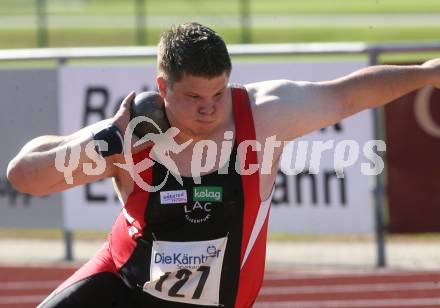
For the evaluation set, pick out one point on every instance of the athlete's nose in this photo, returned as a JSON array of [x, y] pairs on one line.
[[207, 109]]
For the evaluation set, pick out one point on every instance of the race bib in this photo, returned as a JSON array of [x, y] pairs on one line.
[[187, 272]]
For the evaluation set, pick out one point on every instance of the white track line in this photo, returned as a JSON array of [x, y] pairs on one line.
[[350, 288], [30, 285], [373, 303], [22, 299]]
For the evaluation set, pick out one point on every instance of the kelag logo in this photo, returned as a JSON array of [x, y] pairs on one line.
[[208, 194]]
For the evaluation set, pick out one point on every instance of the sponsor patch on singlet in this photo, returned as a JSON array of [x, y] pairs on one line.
[[208, 193], [173, 196], [187, 272]]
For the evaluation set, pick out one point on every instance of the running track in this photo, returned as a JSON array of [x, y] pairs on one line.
[[24, 287]]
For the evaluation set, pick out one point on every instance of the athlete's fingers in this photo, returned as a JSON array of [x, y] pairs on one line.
[[122, 116], [125, 105]]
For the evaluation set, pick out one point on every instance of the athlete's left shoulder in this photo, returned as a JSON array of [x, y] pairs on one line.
[[273, 104]]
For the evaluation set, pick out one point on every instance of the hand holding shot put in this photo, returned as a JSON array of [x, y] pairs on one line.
[[147, 105], [217, 219], [151, 105]]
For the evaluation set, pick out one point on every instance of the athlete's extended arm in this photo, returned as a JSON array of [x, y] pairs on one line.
[[34, 169], [290, 109]]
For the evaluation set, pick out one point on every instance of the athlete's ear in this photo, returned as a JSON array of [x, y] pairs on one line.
[[162, 85]]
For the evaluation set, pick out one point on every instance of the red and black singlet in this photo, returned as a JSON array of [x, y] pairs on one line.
[[200, 244]]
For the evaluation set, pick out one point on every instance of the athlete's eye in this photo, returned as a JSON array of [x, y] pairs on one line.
[[193, 96], [218, 95]]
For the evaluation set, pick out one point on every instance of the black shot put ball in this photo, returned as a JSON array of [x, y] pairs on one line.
[[149, 104]]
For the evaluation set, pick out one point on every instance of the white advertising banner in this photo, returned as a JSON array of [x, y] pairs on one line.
[[319, 198], [28, 110], [303, 203]]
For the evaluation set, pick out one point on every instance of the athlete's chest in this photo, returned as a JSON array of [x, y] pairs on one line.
[[214, 202]]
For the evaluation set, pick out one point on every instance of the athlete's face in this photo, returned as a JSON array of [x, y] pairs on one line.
[[196, 105]]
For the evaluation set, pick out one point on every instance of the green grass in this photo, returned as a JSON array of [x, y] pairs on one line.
[[408, 58], [343, 34], [25, 38], [345, 6], [180, 7]]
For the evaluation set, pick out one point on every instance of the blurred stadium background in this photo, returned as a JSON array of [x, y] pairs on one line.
[[97, 23], [60, 23]]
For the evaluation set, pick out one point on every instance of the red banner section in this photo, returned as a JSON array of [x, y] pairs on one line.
[[413, 160]]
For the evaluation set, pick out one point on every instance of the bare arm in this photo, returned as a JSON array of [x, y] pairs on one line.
[[33, 170], [36, 168], [290, 109]]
